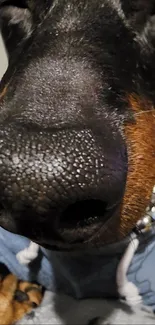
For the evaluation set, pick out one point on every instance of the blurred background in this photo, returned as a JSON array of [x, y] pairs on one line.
[[3, 58]]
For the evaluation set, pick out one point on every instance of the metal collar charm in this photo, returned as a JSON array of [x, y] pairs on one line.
[[145, 224]]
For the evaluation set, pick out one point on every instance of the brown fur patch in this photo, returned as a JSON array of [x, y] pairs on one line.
[[3, 92], [140, 138], [34, 297], [7, 289], [12, 310]]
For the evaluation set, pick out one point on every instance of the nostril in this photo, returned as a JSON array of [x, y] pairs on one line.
[[83, 213]]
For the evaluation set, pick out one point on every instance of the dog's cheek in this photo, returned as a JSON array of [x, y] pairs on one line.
[[141, 163]]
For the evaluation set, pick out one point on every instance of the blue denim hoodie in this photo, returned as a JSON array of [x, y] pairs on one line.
[[86, 273]]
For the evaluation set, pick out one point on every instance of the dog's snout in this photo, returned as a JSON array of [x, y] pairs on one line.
[[68, 177], [84, 212]]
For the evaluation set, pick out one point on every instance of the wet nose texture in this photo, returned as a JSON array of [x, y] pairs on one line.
[[65, 175]]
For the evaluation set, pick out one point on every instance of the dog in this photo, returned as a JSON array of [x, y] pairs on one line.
[[17, 298], [77, 121]]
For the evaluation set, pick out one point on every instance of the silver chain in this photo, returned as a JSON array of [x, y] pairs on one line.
[[145, 224]]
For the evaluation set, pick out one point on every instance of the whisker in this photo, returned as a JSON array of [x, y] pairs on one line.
[[143, 112]]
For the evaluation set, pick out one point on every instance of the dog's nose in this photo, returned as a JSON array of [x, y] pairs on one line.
[[71, 176]]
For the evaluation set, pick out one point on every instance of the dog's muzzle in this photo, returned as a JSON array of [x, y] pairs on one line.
[[63, 179]]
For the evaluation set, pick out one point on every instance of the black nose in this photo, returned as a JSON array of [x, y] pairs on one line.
[[66, 177], [83, 213]]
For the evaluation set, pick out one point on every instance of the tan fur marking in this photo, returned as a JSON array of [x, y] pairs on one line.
[[140, 138], [2, 94]]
